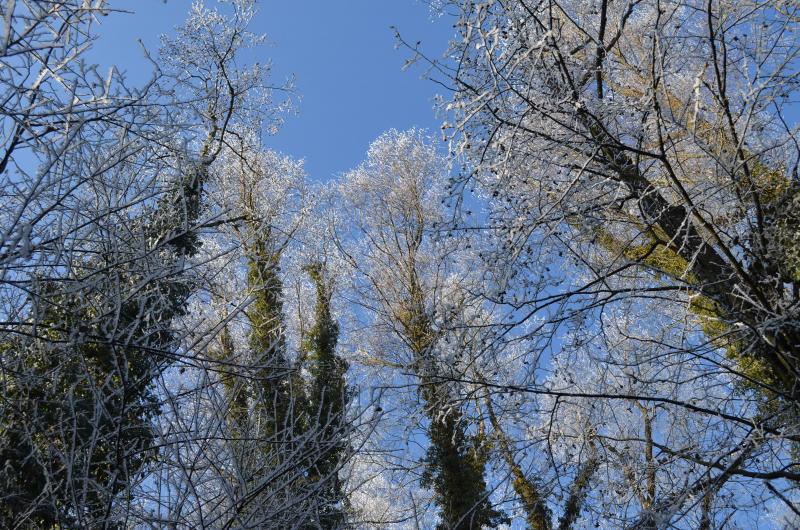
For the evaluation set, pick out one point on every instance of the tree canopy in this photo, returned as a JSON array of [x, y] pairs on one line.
[[576, 307]]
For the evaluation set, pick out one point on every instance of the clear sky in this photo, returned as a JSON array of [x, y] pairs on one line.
[[343, 55]]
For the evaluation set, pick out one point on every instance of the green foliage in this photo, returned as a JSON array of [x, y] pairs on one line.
[[453, 468], [266, 311], [277, 412], [280, 402], [328, 402], [86, 409], [76, 427], [456, 476]]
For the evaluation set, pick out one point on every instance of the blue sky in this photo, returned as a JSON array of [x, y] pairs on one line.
[[343, 55]]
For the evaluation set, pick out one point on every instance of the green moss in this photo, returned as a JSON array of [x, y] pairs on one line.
[[659, 258]]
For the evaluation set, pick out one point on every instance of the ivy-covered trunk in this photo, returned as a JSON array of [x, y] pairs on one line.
[[76, 425], [327, 407], [453, 468]]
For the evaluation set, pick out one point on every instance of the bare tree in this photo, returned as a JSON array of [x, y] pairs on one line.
[[640, 158], [103, 198], [409, 283]]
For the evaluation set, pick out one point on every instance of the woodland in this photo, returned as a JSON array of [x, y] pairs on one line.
[[574, 306]]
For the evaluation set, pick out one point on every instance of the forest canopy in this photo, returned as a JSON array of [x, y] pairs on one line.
[[575, 305]]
